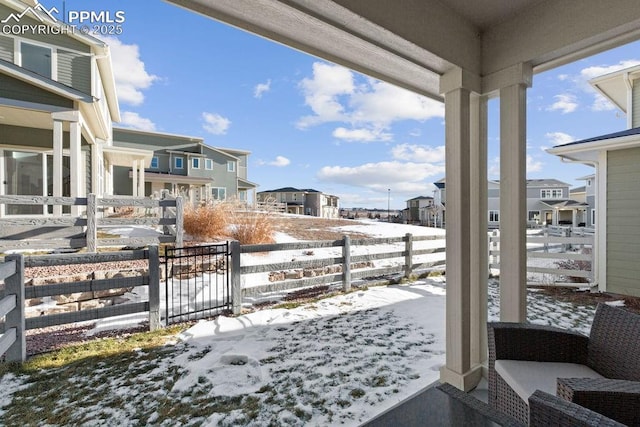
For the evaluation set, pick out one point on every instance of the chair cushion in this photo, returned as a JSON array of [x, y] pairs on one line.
[[525, 377]]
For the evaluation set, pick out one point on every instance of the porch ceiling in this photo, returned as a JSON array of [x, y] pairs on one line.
[[413, 42]]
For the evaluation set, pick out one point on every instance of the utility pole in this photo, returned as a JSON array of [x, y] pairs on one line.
[[389, 205]]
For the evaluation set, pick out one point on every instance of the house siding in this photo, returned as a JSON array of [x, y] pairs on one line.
[[74, 69], [15, 89], [38, 138], [623, 233], [635, 117], [6, 49]]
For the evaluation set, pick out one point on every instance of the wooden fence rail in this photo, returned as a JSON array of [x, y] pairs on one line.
[[165, 212], [12, 342], [346, 262]]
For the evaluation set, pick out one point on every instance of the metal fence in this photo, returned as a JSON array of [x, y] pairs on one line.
[[197, 282]]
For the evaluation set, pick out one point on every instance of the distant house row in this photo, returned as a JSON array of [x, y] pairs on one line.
[[549, 202]]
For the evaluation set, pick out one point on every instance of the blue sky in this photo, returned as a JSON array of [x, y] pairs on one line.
[[311, 124]]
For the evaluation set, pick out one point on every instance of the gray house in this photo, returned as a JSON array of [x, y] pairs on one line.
[[419, 210], [183, 165], [615, 157], [306, 201], [57, 105], [549, 202]]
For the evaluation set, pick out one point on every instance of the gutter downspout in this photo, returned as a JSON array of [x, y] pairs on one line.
[[629, 84]]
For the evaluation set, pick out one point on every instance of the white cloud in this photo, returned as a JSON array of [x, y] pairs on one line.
[[600, 70], [362, 135], [565, 103], [401, 177], [333, 96], [419, 153], [261, 88], [280, 162], [129, 70], [602, 103], [215, 123], [133, 120], [559, 138], [533, 165]]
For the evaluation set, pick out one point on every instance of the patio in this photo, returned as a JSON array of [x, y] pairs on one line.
[[461, 53]]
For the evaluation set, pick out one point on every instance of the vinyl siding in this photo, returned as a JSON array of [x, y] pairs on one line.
[[635, 120], [74, 69], [623, 227], [29, 137], [6, 49], [15, 89]]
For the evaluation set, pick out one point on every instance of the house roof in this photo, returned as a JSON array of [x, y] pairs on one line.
[[291, 190], [578, 189], [614, 86], [421, 198], [246, 183], [563, 203], [587, 150]]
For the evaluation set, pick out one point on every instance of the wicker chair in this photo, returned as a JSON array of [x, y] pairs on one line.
[[612, 351]]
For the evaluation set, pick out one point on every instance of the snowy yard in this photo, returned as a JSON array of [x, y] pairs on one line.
[[336, 361]]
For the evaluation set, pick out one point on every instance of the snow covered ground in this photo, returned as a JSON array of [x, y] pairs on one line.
[[336, 361]]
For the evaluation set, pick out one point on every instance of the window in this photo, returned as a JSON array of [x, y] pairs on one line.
[[195, 163], [231, 166], [208, 164], [37, 59], [593, 217], [179, 163], [534, 216], [494, 216], [555, 193], [154, 163], [219, 193]]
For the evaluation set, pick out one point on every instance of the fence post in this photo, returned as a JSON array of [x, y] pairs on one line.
[[154, 288], [179, 221], [15, 318], [236, 278], [408, 258], [346, 263], [92, 226]]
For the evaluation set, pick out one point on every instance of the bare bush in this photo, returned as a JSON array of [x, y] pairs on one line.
[[576, 265], [232, 219]]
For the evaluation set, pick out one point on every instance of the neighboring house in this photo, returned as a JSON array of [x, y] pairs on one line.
[[303, 201], [548, 203], [57, 104], [382, 214], [183, 165], [616, 158], [586, 194], [420, 210]]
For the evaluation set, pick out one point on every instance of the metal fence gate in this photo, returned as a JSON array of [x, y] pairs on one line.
[[197, 282]]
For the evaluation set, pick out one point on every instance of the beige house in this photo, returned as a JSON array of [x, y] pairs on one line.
[[616, 189], [306, 201]]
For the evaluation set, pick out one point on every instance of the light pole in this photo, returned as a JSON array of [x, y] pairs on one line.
[[388, 205]]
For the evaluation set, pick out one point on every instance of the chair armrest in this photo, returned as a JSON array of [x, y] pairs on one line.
[[548, 410], [540, 343], [617, 399]]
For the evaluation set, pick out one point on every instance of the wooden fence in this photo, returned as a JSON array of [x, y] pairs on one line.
[[565, 249], [344, 274], [165, 212], [12, 298]]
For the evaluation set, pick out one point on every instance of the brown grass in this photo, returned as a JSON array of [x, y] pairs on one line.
[[208, 221]]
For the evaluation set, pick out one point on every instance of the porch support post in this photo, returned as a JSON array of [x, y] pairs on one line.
[[513, 195], [457, 86], [76, 166], [134, 175], [478, 229], [57, 164]]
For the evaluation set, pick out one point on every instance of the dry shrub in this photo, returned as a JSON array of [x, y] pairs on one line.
[[206, 221], [229, 219], [250, 227]]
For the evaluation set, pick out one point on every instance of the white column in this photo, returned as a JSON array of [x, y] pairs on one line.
[[134, 175], [57, 164], [141, 179], [478, 230], [513, 198], [3, 186], [458, 371], [76, 166]]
